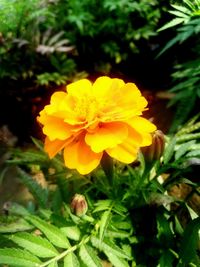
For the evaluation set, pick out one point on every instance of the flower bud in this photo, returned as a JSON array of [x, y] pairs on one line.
[[79, 205], [156, 149]]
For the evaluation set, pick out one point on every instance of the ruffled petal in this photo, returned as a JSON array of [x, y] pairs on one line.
[[107, 136], [132, 99], [105, 86], [142, 125], [53, 147], [127, 151], [78, 155], [80, 88], [56, 128]]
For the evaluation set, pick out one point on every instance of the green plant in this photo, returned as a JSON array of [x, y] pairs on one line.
[[92, 41], [186, 74], [133, 219]]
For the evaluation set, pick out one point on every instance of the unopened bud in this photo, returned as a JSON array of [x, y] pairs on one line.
[[79, 205], [156, 149]]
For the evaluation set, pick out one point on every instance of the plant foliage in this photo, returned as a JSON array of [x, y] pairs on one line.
[[136, 221]]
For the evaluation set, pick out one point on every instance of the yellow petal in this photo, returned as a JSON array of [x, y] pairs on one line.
[[55, 101], [105, 86], [129, 101], [142, 125], [127, 151], [78, 155], [53, 147], [131, 94], [146, 139], [56, 128], [80, 88], [107, 136], [57, 97]]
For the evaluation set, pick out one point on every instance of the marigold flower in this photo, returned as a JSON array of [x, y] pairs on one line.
[[90, 119]]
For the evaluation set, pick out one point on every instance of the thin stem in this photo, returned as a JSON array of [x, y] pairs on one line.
[[64, 253], [107, 165]]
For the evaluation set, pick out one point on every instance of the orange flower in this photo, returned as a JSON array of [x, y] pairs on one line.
[[92, 118]]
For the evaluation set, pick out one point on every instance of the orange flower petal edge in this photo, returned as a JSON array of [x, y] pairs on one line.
[[90, 119]]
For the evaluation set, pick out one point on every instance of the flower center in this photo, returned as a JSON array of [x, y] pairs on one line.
[[86, 109]]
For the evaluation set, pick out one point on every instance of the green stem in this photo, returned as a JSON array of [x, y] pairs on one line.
[[107, 165], [64, 253], [145, 174]]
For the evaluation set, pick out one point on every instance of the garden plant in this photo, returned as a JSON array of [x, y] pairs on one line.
[[104, 185]]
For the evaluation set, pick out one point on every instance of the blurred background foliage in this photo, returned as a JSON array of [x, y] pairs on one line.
[[45, 44]]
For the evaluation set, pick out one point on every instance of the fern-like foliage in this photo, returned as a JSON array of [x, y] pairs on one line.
[[186, 75], [52, 247], [188, 15]]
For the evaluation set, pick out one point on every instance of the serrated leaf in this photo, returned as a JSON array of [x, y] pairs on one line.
[[169, 150], [116, 261], [53, 233], [71, 260], [89, 256], [183, 149], [71, 232], [18, 258], [107, 246], [37, 245], [17, 226], [117, 234], [40, 193], [104, 222]]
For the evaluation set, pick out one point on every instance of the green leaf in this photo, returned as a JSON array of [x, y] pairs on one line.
[[17, 226], [107, 246], [35, 244], [39, 144], [89, 256], [102, 205], [104, 222], [117, 234], [183, 149], [39, 193], [195, 153], [17, 209], [182, 9], [172, 23], [180, 14], [169, 150], [18, 257], [166, 259], [71, 232], [71, 260], [53, 233], [53, 264], [187, 137], [189, 242], [116, 261]]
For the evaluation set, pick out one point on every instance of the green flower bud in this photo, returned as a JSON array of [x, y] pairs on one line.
[[79, 205], [156, 149]]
